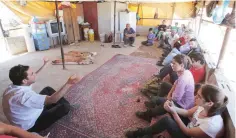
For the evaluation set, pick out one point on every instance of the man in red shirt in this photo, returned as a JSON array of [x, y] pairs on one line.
[[198, 68]]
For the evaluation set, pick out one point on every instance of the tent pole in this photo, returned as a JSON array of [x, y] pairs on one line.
[[173, 13], [200, 22], [114, 22], [114, 35], [223, 48], [59, 28]]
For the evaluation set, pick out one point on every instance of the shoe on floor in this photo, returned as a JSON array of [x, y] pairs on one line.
[[144, 116], [166, 52], [162, 58], [75, 106], [116, 46], [134, 134], [149, 104], [159, 63], [164, 55], [132, 45]]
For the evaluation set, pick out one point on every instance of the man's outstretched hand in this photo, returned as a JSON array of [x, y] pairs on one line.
[[73, 79], [45, 60]]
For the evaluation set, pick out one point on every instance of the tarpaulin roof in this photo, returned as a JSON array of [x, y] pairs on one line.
[[133, 1]]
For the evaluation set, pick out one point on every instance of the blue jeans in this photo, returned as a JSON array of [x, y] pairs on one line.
[[170, 56], [129, 40]]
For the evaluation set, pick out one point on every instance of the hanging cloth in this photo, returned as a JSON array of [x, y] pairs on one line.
[[210, 7], [220, 12], [156, 14], [229, 19]]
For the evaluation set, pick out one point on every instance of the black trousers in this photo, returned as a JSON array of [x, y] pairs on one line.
[[164, 89], [167, 69], [51, 113], [160, 110], [146, 43], [166, 123]]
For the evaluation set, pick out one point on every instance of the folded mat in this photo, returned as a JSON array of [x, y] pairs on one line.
[[76, 58]]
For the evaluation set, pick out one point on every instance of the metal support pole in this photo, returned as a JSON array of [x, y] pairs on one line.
[[114, 22], [114, 35], [59, 29], [223, 48]]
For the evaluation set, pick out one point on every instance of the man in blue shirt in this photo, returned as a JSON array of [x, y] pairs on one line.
[[129, 35]]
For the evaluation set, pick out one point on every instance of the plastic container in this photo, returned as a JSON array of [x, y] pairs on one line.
[[29, 39], [86, 33], [102, 37], [91, 35]]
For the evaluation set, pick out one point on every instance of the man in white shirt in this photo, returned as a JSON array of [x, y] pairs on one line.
[[29, 110]]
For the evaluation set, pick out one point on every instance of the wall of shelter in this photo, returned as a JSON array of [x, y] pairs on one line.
[[166, 11]]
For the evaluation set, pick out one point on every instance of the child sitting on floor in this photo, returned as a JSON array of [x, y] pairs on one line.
[[150, 38]]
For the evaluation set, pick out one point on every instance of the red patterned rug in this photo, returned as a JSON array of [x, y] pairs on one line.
[[108, 100]]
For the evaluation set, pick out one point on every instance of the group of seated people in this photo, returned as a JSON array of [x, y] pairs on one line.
[[164, 32], [174, 40], [193, 110], [189, 111]]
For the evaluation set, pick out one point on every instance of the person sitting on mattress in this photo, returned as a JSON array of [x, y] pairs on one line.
[[205, 117], [181, 93], [29, 110]]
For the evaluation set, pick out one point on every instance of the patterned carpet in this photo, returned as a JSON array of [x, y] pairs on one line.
[[108, 100]]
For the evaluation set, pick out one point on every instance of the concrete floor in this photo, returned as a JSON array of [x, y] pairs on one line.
[[54, 75]]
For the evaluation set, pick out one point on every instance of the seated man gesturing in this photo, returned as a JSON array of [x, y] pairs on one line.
[[29, 110]]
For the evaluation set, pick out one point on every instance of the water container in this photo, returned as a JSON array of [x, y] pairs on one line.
[[91, 35], [102, 37], [86, 33], [29, 39]]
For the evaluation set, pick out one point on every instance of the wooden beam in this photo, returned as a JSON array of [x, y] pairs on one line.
[[199, 28], [68, 25], [167, 19], [173, 11], [223, 48], [75, 25], [59, 31], [218, 24]]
